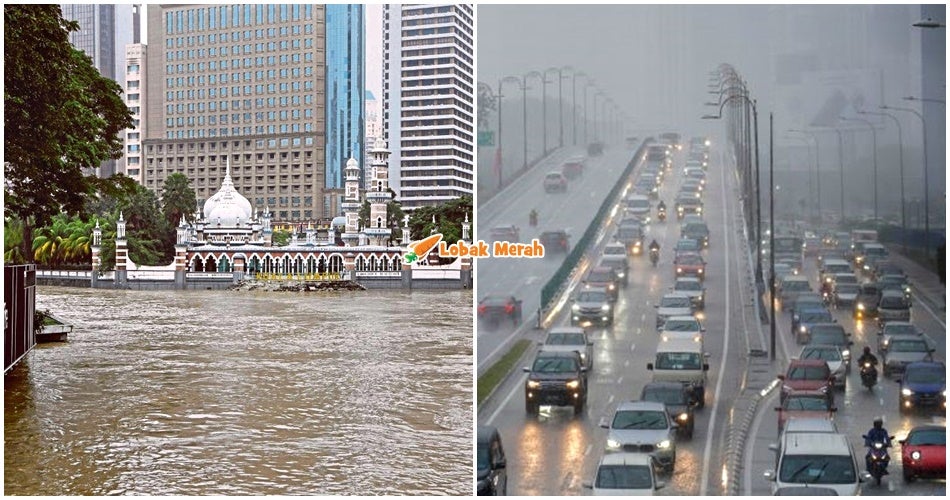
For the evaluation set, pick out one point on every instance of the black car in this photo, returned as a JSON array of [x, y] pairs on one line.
[[495, 309], [679, 404], [556, 378], [555, 241], [492, 465]]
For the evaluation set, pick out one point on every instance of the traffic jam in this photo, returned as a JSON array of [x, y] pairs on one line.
[[627, 390]]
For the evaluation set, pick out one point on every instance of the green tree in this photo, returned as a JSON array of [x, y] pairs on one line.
[[486, 104], [13, 241], [448, 219], [178, 199], [61, 119], [280, 238], [146, 229]]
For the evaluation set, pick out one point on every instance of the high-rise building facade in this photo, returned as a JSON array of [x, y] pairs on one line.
[[345, 84], [428, 101], [239, 82], [374, 130], [104, 31], [135, 88]]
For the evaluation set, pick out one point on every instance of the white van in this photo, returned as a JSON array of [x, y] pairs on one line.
[[683, 361], [819, 459]]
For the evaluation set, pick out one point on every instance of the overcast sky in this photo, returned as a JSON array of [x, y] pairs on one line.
[[655, 60]]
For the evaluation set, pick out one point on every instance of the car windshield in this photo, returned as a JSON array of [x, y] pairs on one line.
[[600, 276], [897, 328], [795, 286], [894, 302], [689, 259], [687, 245], [495, 301], [692, 286], [483, 456], [907, 346], [612, 250], [681, 325], [822, 354], [926, 375], [817, 469], [806, 403], [638, 203], [670, 396], [935, 437], [502, 230], [552, 177], [639, 419], [678, 302], [592, 296], [815, 316], [678, 361], [554, 365], [807, 373], [846, 288], [629, 231], [566, 339], [624, 477]]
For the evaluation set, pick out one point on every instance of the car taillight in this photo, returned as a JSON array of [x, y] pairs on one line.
[[481, 309], [509, 308]]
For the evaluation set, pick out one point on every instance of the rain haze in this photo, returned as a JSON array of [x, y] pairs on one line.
[[663, 340], [807, 64]]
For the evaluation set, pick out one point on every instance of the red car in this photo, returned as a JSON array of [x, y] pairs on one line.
[[493, 309], [690, 264], [573, 168], [807, 375], [924, 452], [604, 277], [805, 404]]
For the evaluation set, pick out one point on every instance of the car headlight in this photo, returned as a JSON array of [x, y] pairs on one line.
[[605, 307], [611, 286], [907, 392], [699, 209], [944, 393], [663, 445], [679, 269], [700, 270], [828, 280], [915, 455], [613, 444], [533, 384], [576, 307], [573, 384], [786, 388], [860, 306], [683, 417], [802, 329], [846, 353], [620, 275]]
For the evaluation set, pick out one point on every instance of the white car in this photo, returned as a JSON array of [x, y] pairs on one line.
[[568, 339], [682, 327], [831, 354], [692, 288], [643, 427], [673, 304], [625, 474]]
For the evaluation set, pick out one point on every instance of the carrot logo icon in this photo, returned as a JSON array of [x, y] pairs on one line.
[[419, 249]]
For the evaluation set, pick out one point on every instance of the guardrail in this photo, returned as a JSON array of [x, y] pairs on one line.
[[48, 273], [554, 285]]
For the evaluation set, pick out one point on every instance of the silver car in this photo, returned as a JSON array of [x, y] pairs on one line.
[[570, 338], [673, 304], [692, 288], [643, 427], [899, 351]]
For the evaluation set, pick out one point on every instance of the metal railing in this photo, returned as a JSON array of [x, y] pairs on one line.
[[554, 285]]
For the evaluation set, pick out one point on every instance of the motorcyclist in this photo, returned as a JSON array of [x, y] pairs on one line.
[[661, 207], [533, 217], [654, 246], [867, 357], [877, 434]]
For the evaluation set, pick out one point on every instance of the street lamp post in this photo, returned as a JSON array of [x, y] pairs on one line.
[[841, 165], [807, 145], [900, 152], [874, 147], [574, 101], [923, 129], [587, 86], [771, 245], [817, 170], [560, 105]]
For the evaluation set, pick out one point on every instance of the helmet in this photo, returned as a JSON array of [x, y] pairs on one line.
[[867, 350], [878, 423]]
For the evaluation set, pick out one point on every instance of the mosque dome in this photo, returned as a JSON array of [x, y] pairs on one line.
[[227, 206]]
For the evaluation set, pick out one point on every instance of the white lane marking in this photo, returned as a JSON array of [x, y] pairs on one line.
[[924, 305], [504, 403], [530, 280], [750, 445], [643, 317], [610, 400], [632, 347], [620, 381], [587, 451], [881, 400], [639, 330], [627, 362], [704, 481]]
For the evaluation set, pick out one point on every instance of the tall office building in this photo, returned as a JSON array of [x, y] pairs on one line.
[[428, 101], [242, 83], [136, 76], [345, 83], [104, 31]]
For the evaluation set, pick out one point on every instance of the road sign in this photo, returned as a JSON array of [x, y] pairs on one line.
[[486, 138]]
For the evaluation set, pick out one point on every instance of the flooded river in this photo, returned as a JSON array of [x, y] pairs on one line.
[[218, 392]]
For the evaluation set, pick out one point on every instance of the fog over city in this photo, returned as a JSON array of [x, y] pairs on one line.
[[808, 65]]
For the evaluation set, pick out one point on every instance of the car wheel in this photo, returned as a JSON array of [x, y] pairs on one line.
[[908, 476], [670, 468], [531, 408], [579, 407], [702, 399]]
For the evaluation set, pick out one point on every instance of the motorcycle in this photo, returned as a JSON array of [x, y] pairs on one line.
[[533, 219], [654, 256], [877, 460], [661, 215], [868, 376]]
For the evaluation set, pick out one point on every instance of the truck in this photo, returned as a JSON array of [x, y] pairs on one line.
[[683, 361]]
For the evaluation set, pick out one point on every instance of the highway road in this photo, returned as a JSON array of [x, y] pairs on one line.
[[556, 452]]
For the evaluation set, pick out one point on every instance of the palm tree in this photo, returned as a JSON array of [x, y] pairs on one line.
[[78, 246], [48, 245], [12, 241]]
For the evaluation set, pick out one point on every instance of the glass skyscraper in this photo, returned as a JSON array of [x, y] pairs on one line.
[[345, 89]]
